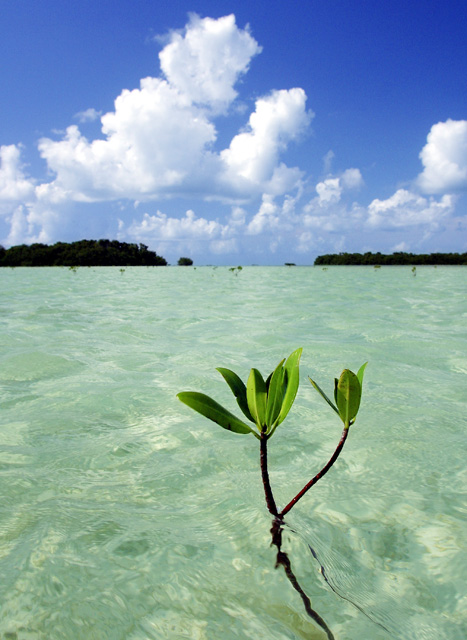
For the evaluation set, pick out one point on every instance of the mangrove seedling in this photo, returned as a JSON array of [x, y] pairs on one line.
[[266, 403]]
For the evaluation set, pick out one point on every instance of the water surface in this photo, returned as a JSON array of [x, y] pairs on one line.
[[124, 515]]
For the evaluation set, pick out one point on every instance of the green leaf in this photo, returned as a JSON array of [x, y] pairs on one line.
[[360, 373], [323, 395], [275, 395], [256, 397], [238, 388], [349, 392], [209, 408], [291, 380]]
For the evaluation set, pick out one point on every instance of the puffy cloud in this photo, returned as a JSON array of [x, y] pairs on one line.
[[351, 179], [158, 141], [237, 217], [20, 229], [305, 242], [30, 224], [14, 186], [405, 209], [330, 190], [275, 217], [27, 209], [445, 158], [338, 218], [251, 159], [154, 139], [187, 233], [327, 212], [267, 218], [206, 61], [166, 228]]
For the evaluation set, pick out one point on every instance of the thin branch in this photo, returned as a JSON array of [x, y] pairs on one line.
[[319, 475]]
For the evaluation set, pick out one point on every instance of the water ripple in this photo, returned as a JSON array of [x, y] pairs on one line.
[[123, 515]]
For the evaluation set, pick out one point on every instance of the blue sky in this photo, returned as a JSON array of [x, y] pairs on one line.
[[235, 132]]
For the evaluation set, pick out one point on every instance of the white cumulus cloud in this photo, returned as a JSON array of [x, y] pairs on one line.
[[14, 186], [159, 140], [155, 138], [31, 223], [188, 233], [351, 179], [444, 158], [330, 190], [251, 159], [406, 209], [268, 217], [206, 60], [166, 228]]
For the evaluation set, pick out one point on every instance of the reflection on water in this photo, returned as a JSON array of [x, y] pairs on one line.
[[283, 560], [123, 515]]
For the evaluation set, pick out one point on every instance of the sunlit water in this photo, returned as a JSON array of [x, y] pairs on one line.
[[124, 515]]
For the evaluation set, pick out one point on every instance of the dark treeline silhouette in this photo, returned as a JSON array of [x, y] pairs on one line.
[[399, 257], [84, 253]]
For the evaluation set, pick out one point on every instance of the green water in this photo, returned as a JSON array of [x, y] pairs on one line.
[[124, 515]]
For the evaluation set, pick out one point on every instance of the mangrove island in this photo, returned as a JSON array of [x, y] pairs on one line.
[[83, 253]]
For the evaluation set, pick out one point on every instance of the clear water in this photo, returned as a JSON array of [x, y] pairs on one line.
[[124, 515]]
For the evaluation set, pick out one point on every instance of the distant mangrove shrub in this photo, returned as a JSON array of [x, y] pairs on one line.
[[84, 253], [185, 262], [397, 258]]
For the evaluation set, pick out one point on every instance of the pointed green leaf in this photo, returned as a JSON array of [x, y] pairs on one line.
[[256, 397], [291, 380], [360, 373], [275, 395], [238, 388], [209, 408], [348, 394], [323, 395]]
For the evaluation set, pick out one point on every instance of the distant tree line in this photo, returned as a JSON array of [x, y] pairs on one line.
[[84, 253], [398, 258]]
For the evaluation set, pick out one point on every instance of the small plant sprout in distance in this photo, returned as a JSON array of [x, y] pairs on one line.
[[265, 403]]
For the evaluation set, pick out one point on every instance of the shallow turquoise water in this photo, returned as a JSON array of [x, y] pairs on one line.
[[124, 515]]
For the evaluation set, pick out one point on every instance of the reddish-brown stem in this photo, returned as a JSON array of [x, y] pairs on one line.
[[319, 475], [270, 502]]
